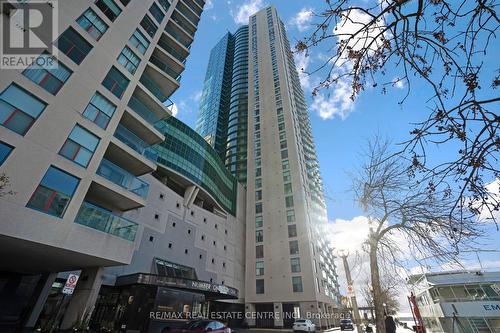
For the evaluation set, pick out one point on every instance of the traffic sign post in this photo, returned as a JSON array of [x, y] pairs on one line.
[[70, 284]]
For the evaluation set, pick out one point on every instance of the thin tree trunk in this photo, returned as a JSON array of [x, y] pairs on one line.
[[377, 290]]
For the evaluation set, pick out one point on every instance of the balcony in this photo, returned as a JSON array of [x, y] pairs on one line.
[[184, 42], [180, 55], [167, 69], [188, 13], [187, 26], [123, 178], [196, 8], [130, 139], [140, 128], [200, 3], [148, 107], [160, 85], [100, 219]]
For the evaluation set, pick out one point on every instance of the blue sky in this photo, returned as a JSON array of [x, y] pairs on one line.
[[341, 127]]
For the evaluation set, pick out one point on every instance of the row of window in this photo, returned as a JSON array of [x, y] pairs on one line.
[[296, 285]]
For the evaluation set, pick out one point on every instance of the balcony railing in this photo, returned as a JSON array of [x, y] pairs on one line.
[[200, 2], [103, 220], [178, 37], [185, 11], [189, 28], [164, 45], [133, 141], [193, 7], [153, 87], [165, 68], [142, 110], [123, 178]]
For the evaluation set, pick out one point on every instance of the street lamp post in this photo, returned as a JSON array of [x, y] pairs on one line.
[[357, 320]]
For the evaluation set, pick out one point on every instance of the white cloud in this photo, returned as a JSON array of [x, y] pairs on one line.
[[244, 11], [174, 110], [301, 63], [329, 104], [209, 4], [301, 21], [398, 83], [354, 21]]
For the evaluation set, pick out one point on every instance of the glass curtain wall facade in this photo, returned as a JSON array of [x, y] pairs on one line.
[[222, 119]]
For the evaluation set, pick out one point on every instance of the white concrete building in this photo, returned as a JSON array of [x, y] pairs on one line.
[[458, 301]]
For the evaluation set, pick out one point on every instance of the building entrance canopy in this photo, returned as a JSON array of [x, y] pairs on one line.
[[210, 290]]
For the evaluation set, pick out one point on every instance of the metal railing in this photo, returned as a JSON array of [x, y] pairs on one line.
[[103, 220], [123, 178]]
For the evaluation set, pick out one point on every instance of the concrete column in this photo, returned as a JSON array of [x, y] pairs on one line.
[[188, 194], [278, 319], [40, 302], [250, 314], [84, 297]]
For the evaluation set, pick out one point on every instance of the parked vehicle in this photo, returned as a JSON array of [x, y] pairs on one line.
[[346, 324], [304, 325], [200, 326]]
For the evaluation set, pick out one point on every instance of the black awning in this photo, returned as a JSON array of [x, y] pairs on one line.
[[210, 290]]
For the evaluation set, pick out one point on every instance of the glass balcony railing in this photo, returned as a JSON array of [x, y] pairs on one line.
[[133, 141], [142, 110], [189, 28], [164, 45], [165, 68], [192, 5], [188, 14], [123, 178], [130, 139], [103, 220], [153, 87], [178, 37], [200, 2]]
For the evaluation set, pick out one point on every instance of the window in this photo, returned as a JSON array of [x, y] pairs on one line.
[[258, 172], [259, 286], [284, 153], [156, 12], [258, 221], [292, 230], [54, 192], [125, 2], [295, 265], [5, 151], [287, 188], [294, 247], [286, 176], [165, 4], [259, 268], [73, 45], [290, 215], [289, 201], [116, 82], [109, 8], [297, 284], [258, 182], [99, 110], [259, 236], [139, 41], [283, 144], [19, 109], [93, 24], [149, 25], [80, 146], [258, 208], [285, 165], [259, 251], [49, 79], [129, 60]]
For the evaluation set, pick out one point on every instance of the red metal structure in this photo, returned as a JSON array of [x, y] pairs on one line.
[[419, 324]]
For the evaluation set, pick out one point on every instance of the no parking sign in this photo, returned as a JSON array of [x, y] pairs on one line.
[[70, 285]]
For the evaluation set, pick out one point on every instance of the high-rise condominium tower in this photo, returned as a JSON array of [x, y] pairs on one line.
[[73, 141], [289, 264]]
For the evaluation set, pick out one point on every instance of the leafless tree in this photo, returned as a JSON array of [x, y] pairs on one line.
[[448, 45], [399, 205], [390, 292]]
